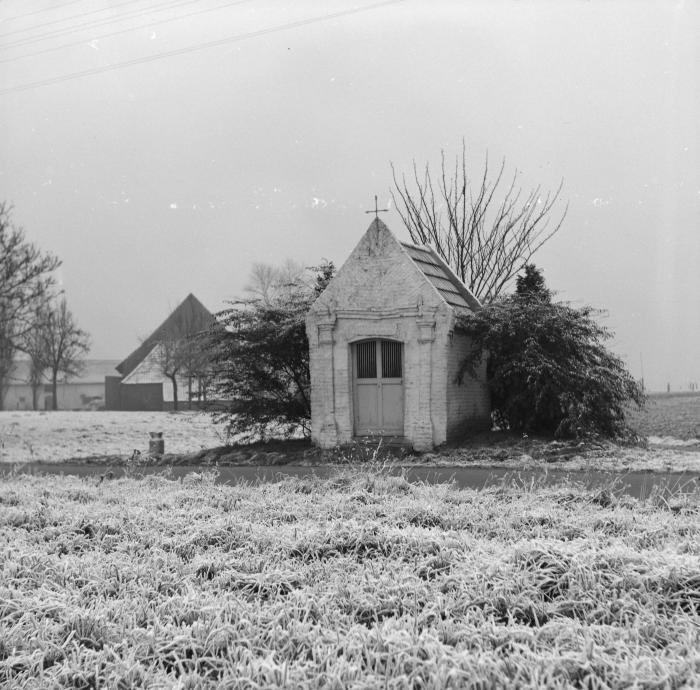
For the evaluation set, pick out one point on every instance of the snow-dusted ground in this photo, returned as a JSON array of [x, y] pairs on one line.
[[621, 459], [60, 436], [27, 436], [672, 442]]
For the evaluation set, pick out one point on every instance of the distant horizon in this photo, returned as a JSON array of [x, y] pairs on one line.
[[117, 360]]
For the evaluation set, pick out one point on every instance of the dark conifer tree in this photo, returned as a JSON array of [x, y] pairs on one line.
[[548, 369]]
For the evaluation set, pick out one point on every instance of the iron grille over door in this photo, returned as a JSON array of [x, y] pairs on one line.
[[367, 360], [378, 387], [391, 359]]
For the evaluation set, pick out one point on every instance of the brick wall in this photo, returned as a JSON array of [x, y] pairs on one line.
[[468, 403]]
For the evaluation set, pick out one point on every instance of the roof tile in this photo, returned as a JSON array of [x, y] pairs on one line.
[[450, 287]]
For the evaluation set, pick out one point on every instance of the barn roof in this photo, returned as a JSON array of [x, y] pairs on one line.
[[450, 287], [189, 317]]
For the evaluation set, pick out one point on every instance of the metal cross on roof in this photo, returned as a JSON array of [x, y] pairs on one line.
[[377, 210]]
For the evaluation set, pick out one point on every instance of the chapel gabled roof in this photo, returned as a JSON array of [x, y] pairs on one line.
[[189, 317], [442, 277], [379, 246]]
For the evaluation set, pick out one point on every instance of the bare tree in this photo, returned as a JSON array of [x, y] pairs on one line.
[[64, 345], [169, 354], [32, 344], [26, 279], [487, 231], [180, 349], [197, 366], [7, 358], [261, 282], [271, 284], [186, 359]]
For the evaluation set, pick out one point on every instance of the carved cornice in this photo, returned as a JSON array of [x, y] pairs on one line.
[[376, 314], [373, 318], [376, 330]]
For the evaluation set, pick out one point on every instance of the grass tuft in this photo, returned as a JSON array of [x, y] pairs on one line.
[[360, 580]]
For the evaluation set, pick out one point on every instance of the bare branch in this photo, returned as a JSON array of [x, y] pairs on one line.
[[26, 282], [60, 344], [486, 231]]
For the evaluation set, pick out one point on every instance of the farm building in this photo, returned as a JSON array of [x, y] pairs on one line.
[[142, 383], [83, 392], [385, 351]]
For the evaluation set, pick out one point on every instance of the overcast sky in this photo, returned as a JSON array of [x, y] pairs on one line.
[[263, 130]]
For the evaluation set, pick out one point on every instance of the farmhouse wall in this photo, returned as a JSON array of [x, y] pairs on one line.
[[141, 396], [71, 396], [77, 396], [19, 397], [113, 393]]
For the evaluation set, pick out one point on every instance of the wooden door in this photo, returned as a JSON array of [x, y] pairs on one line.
[[378, 387]]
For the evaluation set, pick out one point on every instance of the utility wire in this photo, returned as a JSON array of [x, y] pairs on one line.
[[44, 9], [122, 31], [66, 19], [93, 23], [195, 48]]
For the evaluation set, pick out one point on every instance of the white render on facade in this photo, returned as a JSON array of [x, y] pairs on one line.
[[382, 293], [150, 370]]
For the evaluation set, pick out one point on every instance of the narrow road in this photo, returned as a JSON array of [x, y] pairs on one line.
[[637, 484]]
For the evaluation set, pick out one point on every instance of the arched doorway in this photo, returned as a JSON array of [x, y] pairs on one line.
[[378, 387]]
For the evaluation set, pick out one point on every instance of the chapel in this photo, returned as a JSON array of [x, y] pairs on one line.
[[385, 349]]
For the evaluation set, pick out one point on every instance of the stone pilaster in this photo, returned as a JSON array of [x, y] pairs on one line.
[[423, 427], [328, 433]]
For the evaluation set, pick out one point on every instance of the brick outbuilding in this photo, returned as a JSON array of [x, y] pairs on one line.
[[385, 351]]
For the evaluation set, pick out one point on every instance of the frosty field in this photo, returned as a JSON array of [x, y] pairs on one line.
[[363, 580], [59, 436], [672, 423], [670, 415], [360, 581]]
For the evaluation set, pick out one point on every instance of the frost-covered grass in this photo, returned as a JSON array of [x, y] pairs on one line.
[[360, 581]]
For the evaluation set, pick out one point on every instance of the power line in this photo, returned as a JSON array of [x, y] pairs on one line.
[[195, 48], [123, 31], [93, 23], [44, 9], [65, 19]]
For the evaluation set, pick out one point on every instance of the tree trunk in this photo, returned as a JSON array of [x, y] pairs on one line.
[[35, 398], [189, 392], [5, 368], [173, 379], [54, 390]]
